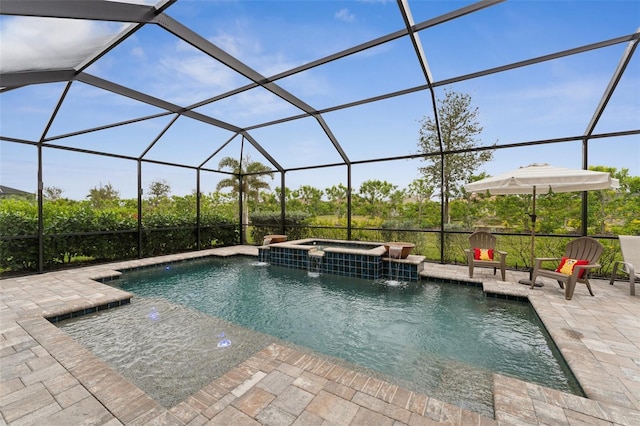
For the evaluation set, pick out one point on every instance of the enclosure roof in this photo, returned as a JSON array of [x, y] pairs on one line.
[[308, 84]]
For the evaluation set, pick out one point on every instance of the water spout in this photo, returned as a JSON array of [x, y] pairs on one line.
[[395, 252], [314, 263]]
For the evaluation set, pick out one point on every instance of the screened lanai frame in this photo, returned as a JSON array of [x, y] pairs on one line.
[[141, 15]]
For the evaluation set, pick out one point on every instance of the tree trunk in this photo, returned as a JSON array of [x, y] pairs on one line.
[[446, 209], [245, 217]]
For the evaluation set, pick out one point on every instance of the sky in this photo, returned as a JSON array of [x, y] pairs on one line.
[[551, 99]]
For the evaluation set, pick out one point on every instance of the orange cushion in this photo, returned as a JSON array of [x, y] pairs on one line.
[[482, 254], [566, 266]]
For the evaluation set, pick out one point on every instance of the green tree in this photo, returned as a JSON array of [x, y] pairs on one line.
[[251, 174], [310, 198], [394, 206], [159, 191], [373, 193], [269, 201], [52, 193], [103, 196], [510, 211], [337, 195], [477, 205], [459, 128], [615, 211], [184, 206], [290, 202], [420, 190], [223, 204]]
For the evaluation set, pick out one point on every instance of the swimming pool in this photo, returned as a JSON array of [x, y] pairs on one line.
[[444, 340]]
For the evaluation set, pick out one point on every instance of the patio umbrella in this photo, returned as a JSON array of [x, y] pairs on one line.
[[542, 178]]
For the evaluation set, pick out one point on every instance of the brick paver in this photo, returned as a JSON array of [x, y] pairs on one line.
[[48, 378]]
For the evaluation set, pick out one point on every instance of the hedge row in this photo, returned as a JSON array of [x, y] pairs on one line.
[[81, 233], [270, 223]]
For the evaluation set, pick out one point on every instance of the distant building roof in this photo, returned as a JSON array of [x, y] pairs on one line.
[[5, 190]]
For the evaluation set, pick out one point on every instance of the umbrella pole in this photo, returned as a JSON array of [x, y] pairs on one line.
[[533, 243], [533, 233]]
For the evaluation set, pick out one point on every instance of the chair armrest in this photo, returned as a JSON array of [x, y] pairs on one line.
[[578, 268], [627, 267], [545, 259], [538, 260], [589, 266]]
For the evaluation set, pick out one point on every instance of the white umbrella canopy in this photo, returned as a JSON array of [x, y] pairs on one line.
[[542, 178], [536, 178]]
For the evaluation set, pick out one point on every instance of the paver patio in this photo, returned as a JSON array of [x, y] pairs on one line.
[[48, 378]]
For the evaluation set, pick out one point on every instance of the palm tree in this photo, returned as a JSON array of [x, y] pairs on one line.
[[253, 173]]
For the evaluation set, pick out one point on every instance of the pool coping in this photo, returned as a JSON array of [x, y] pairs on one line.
[[37, 358]]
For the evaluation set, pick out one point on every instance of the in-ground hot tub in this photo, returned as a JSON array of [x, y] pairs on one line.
[[341, 246], [359, 259]]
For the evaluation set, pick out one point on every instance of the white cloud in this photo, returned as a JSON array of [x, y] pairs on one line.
[[309, 83], [259, 102], [345, 15], [231, 44], [191, 69], [28, 43], [198, 70], [251, 51], [138, 52], [188, 76]]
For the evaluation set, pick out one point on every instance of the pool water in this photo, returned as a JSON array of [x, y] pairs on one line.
[[444, 340]]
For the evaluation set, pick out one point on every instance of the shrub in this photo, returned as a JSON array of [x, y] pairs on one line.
[[75, 231], [269, 223]]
